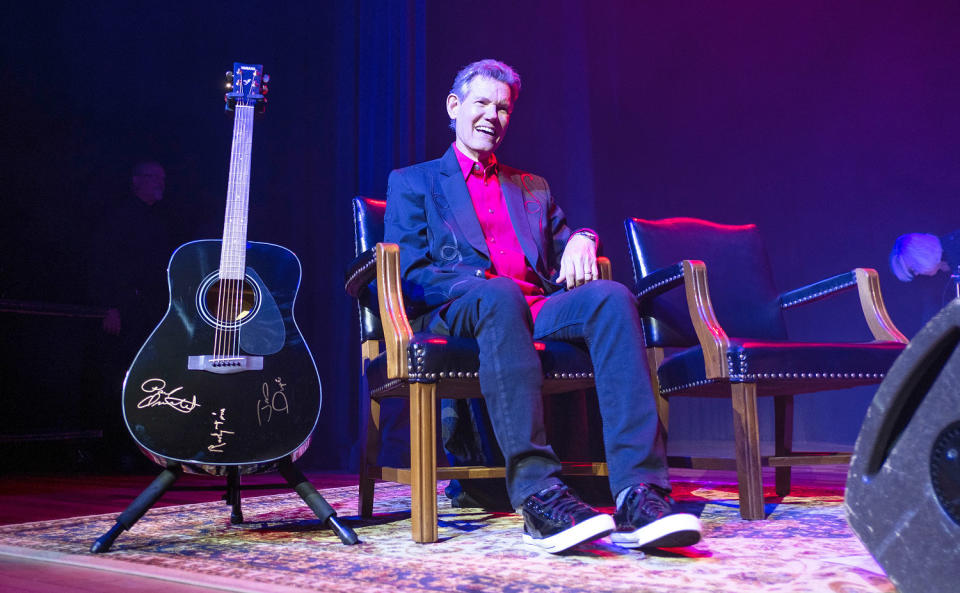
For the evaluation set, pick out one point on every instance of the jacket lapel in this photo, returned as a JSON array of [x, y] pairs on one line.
[[513, 196], [455, 190]]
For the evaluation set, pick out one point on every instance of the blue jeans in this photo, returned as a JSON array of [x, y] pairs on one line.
[[602, 314]]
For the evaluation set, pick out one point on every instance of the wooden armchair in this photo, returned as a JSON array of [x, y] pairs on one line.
[[398, 362], [729, 340]]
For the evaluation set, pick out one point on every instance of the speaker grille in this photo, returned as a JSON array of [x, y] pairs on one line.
[[945, 470]]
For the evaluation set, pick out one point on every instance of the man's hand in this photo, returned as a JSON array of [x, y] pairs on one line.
[[579, 262]]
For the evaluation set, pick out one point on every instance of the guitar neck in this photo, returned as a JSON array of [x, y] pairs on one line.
[[233, 251]]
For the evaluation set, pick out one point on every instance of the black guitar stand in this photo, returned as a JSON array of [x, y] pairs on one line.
[[291, 473]]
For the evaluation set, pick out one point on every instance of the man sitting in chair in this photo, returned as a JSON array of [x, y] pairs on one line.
[[486, 253]]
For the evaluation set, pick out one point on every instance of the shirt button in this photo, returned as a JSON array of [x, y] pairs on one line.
[[490, 210]]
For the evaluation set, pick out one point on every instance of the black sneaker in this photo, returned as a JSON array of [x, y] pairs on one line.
[[555, 519], [646, 519]]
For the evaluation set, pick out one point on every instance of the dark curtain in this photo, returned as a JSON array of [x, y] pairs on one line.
[[831, 125]]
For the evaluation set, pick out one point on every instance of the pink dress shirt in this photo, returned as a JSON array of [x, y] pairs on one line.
[[506, 255]]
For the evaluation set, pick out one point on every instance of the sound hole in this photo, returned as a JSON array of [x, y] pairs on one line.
[[230, 301]]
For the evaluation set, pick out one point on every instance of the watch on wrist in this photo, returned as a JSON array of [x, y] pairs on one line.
[[588, 234]]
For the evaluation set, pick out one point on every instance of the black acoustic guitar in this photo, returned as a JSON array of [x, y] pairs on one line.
[[225, 382]]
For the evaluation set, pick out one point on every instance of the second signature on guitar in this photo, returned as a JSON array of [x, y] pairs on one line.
[[271, 402], [157, 395]]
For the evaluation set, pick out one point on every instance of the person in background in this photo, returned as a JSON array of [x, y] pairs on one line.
[[147, 184], [136, 234]]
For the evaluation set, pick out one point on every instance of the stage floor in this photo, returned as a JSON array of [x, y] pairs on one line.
[[27, 498]]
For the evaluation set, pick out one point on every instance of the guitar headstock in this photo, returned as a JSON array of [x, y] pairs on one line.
[[246, 86]]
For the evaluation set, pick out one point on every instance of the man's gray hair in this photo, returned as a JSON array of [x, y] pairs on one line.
[[494, 69]]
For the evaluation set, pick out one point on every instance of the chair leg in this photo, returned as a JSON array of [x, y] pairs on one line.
[[746, 432], [369, 452], [654, 358], [423, 462], [783, 426]]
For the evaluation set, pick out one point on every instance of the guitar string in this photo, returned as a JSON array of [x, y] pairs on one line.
[[229, 237], [233, 284], [220, 284], [240, 242], [223, 284]]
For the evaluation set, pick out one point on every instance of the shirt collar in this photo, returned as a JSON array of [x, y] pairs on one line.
[[467, 165]]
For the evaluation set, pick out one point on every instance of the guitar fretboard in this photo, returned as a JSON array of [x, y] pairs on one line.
[[233, 251]]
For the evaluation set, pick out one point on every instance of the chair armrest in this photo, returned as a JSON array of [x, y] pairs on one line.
[[393, 317], [362, 271], [693, 275], [871, 300], [659, 281], [713, 340], [874, 309], [818, 290], [604, 269]]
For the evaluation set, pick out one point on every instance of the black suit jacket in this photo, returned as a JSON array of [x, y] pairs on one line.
[[443, 253]]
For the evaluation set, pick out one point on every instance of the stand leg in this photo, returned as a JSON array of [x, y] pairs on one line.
[[315, 501], [232, 495], [137, 508]]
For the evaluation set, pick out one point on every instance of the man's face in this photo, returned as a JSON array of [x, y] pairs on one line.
[[149, 181], [481, 117]]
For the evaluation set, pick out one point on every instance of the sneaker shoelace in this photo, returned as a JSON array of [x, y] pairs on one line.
[[656, 501], [562, 503]]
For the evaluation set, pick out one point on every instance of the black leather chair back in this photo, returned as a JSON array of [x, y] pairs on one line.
[[368, 231], [741, 284]]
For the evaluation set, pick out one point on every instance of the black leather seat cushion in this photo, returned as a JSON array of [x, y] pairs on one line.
[[454, 363], [782, 367]]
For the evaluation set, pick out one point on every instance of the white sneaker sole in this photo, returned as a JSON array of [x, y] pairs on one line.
[[591, 529], [673, 531]]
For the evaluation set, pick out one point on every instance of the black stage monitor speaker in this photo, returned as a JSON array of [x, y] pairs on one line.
[[903, 488]]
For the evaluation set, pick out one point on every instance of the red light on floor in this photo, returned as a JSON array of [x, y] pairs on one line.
[[539, 346], [436, 341]]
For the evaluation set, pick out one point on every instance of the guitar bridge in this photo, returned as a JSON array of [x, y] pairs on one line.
[[222, 365]]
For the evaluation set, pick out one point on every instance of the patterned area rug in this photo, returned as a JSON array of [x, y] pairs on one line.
[[804, 546]]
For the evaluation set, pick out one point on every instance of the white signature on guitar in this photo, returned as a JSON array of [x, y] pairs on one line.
[[158, 396], [272, 402], [218, 421]]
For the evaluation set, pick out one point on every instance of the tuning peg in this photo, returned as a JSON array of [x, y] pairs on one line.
[[229, 86], [266, 78], [264, 89]]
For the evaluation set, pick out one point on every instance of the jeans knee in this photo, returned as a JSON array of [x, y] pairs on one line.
[[614, 293], [502, 295]]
